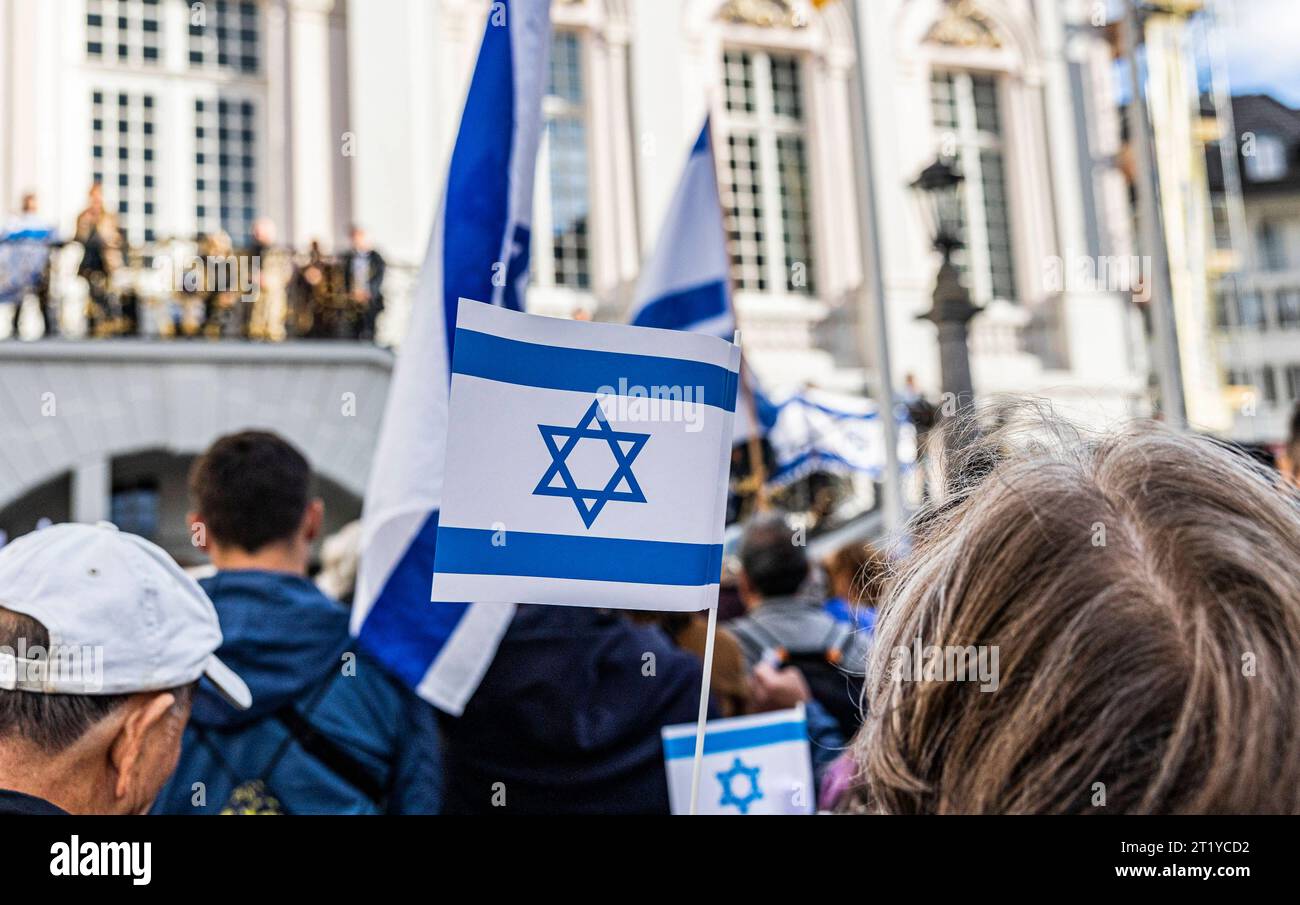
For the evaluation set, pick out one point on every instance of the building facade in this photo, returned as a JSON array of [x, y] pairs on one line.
[[322, 113], [1257, 305]]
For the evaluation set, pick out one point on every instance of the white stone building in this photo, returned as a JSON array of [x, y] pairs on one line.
[[321, 113]]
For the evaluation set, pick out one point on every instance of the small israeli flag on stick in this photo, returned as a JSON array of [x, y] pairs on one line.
[[587, 464], [758, 764]]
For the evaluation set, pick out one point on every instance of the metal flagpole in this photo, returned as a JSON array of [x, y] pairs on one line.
[[873, 261], [703, 717], [1164, 324]]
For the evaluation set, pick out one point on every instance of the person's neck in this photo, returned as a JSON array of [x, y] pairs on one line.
[[284, 558], [55, 779]]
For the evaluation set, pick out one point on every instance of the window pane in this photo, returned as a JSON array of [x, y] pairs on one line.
[[787, 92], [226, 37], [795, 215], [122, 159], [1250, 310], [997, 225], [566, 68], [738, 80], [943, 102], [1268, 384], [125, 31], [985, 92], [569, 206], [743, 196], [1288, 308], [225, 177], [965, 109], [566, 130], [766, 186]]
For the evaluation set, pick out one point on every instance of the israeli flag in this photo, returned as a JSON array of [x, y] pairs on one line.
[[686, 283], [479, 248], [587, 463], [816, 430], [24, 249], [758, 764]]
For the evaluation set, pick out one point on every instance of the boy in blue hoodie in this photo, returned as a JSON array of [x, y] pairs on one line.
[[329, 731]]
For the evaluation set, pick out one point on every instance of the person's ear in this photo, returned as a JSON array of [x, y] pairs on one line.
[[198, 531], [143, 713], [313, 520]]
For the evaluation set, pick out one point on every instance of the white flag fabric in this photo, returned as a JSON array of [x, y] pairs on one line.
[[24, 249], [587, 463], [686, 282], [480, 234], [759, 764], [816, 430]]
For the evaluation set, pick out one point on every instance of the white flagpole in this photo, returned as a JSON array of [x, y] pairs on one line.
[[704, 707]]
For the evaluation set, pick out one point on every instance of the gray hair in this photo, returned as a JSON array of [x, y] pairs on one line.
[[1142, 589]]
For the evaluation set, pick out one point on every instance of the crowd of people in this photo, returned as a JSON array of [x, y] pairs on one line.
[[1137, 592], [257, 289]]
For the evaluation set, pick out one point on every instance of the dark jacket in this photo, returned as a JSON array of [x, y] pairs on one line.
[[288, 641], [20, 804], [567, 718], [375, 268]]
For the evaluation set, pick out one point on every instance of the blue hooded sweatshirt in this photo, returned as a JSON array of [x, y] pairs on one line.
[[288, 641]]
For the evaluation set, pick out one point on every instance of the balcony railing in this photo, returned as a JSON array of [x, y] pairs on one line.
[[182, 290]]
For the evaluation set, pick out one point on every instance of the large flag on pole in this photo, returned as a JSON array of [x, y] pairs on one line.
[[587, 464], [686, 283], [816, 430], [479, 249]]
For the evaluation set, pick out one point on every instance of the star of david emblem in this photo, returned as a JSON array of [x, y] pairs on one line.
[[558, 480], [752, 791]]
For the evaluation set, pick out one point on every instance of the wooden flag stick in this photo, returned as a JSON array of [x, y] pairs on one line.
[[703, 717]]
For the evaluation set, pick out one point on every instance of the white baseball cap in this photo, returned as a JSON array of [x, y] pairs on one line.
[[115, 606]]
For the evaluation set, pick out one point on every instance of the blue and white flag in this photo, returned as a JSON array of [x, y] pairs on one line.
[[587, 463], [24, 249], [686, 283], [478, 248], [817, 430], [759, 764]]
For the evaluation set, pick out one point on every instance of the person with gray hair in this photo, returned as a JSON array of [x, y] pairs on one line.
[[1136, 594], [102, 640]]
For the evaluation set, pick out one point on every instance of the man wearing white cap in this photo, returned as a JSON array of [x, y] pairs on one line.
[[102, 639]]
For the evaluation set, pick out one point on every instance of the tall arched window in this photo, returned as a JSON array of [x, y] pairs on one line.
[[565, 112], [766, 185], [584, 235], [966, 114]]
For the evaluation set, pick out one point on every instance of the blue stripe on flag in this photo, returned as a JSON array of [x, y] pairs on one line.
[[481, 228], [703, 141], [403, 629], [477, 202], [586, 370], [685, 308], [736, 739], [470, 551]]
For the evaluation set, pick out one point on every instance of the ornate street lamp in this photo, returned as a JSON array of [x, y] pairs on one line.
[[938, 193]]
